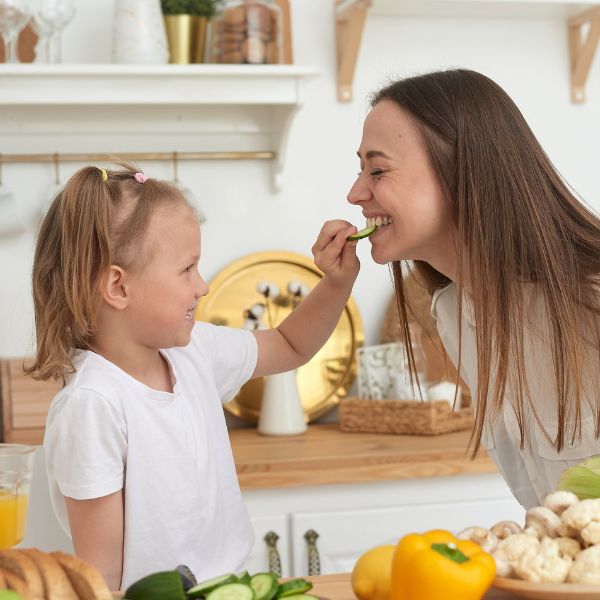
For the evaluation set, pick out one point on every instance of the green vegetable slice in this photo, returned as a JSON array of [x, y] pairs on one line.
[[165, 585], [363, 233], [293, 587], [232, 591], [243, 577], [265, 586], [205, 587]]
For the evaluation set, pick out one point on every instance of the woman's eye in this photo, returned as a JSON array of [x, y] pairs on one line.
[[376, 173]]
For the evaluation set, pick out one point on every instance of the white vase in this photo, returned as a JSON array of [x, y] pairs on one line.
[[139, 33], [281, 411]]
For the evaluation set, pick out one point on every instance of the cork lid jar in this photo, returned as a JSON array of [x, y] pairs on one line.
[[247, 32]]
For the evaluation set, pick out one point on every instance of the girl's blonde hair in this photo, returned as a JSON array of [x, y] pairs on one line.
[[517, 221], [98, 219]]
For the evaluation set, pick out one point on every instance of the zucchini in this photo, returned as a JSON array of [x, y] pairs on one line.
[[165, 585], [232, 591], [363, 233], [264, 585], [205, 587], [293, 587]]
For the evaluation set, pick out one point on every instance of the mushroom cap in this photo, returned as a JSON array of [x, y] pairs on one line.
[[544, 520], [504, 529], [481, 536], [559, 501]]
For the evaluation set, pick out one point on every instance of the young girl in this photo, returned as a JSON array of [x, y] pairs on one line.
[[139, 463], [510, 256]]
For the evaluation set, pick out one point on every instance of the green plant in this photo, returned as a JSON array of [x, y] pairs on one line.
[[201, 8]]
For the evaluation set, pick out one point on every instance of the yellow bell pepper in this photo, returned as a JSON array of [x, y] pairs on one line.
[[437, 566]]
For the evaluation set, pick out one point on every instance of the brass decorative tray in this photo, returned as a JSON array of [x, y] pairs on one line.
[[329, 374]]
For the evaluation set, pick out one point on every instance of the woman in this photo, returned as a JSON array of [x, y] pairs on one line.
[[510, 256]]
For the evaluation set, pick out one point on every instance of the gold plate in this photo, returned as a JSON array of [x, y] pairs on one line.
[[329, 374], [548, 591]]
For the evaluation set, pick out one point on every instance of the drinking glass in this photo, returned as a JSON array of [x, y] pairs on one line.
[[14, 15], [50, 18], [16, 469]]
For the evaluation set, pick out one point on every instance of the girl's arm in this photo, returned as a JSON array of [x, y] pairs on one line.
[[301, 335], [97, 533]]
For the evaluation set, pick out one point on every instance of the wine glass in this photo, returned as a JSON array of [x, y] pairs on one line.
[[16, 470], [50, 18], [14, 15]]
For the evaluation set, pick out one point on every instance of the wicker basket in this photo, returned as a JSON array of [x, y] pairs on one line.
[[411, 417]]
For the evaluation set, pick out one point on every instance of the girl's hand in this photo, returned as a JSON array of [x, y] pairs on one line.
[[335, 255]]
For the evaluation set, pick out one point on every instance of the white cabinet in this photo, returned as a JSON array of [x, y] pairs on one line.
[[258, 561], [352, 518]]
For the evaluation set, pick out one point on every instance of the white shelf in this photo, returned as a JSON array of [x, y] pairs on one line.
[[582, 19], [191, 107], [511, 9]]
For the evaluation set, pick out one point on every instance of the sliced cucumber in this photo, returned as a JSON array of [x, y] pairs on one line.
[[305, 597], [232, 591], [165, 585], [363, 233], [205, 587], [265, 586], [293, 587]]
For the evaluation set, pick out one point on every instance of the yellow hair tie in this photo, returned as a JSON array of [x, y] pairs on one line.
[[104, 174]]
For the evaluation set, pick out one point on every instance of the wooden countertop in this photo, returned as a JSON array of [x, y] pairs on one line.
[[326, 455], [337, 587]]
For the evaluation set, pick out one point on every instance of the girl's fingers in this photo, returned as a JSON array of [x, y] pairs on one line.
[[331, 253], [329, 232]]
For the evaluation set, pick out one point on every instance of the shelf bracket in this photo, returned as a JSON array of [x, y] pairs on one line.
[[350, 17], [582, 50]]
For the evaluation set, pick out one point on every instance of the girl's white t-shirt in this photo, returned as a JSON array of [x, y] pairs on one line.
[[533, 471], [168, 452]]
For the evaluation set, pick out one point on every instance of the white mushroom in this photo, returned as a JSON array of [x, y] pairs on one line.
[[559, 501], [586, 568], [543, 520], [504, 529], [484, 537], [544, 564]]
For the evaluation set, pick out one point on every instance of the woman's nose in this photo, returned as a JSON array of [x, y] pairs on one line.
[[359, 192]]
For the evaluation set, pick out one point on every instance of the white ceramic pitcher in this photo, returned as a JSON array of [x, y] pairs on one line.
[[281, 411]]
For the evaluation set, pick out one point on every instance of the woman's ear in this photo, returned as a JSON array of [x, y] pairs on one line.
[[114, 291]]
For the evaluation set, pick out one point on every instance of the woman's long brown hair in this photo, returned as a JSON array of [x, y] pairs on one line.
[[91, 224], [516, 221]]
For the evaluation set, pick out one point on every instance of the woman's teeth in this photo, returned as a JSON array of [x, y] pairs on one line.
[[379, 221]]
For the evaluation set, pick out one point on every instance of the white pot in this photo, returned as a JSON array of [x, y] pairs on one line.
[[281, 411], [139, 33]]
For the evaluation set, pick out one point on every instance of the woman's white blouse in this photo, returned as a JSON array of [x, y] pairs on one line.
[[534, 471]]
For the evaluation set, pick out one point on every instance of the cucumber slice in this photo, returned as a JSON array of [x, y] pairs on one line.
[[265, 586], [293, 587], [205, 587], [305, 597], [232, 591], [165, 585], [363, 233]]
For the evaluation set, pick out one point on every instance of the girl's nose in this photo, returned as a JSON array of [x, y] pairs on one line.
[[359, 192], [201, 287]]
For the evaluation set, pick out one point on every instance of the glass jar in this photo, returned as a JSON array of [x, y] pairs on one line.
[[247, 32]]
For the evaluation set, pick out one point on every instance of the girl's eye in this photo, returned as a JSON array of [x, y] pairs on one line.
[[189, 268]]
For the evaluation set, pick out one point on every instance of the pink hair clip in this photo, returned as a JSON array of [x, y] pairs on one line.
[[140, 177]]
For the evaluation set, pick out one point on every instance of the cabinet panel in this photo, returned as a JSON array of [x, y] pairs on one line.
[[258, 561], [345, 535]]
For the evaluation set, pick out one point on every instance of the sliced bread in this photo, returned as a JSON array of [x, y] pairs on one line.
[[57, 585], [18, 563], [85, 579]]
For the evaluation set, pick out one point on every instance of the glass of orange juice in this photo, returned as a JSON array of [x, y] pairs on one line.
[[16, 469]]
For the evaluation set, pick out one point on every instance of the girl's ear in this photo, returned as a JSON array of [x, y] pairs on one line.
[[114, 290]]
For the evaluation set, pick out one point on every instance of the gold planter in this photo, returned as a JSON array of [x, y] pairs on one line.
[[187, 38]]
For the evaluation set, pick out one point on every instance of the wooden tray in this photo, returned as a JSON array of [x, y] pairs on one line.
[[548, 591]]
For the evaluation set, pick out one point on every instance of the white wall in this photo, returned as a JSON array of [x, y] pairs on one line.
[[527, 57]]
